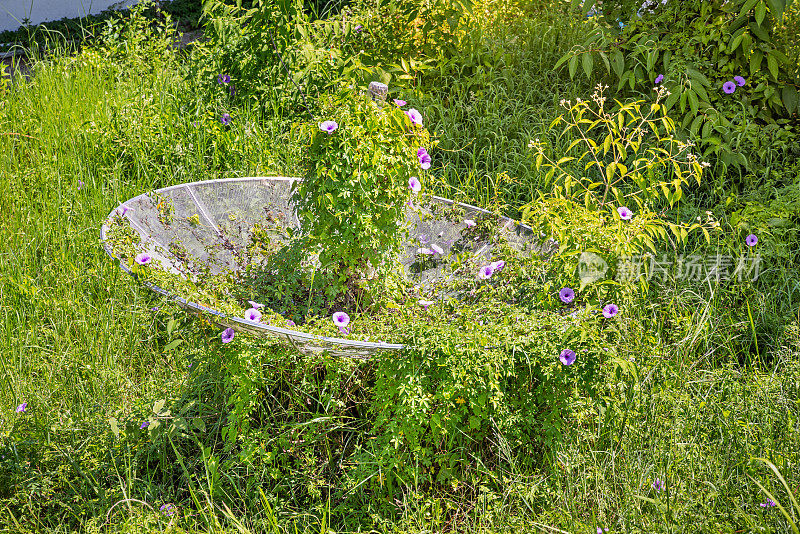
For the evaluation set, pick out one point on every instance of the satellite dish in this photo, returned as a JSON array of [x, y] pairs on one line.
[[208, 224]]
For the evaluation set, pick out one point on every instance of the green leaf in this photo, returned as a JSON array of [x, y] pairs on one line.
[[790, 98], [671, 99], [781, 57], [735, 42], [759, 32], [706, 129], [563, 59], [474, 422], [172, 344], [588, 64], [697, 76], [747, 7], [747, 43], [772, 65], [761, 12], [695, 127], [701, 91], [651, 59], [573, 66], [159, 405], [618, 63], [604, 57], [199, 424], [755, 62]]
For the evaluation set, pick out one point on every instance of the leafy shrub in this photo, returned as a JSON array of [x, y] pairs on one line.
[[612, 193], [470, 395], [462, 396], [356, 184], [695, 48], [136, 43], [624, 156], [276, 57], [408, 28]]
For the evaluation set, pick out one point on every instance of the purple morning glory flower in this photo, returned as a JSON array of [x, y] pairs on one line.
[[768, 504], [143, 258], [154, 309], [22, 407], [290, 322], [567, 357], [125, 210], [425, 161], [425, 304], [485, 272], [344, 331], [328, 126], [80, 185], [436, 249], [469, 222], [497, 266], [415, 116], [225, 119], [659, 79], [168, 510], [566, 295], [341, 319], [144, 425], [399, 103], [255, 304], [729, 87], [425, 251], [739, 81], [601, 530], [223, 79], [227, 335], [358, 28], [421, 151], [624, 213], [414, 184], [659, 485], [252, 314], [751, 240], [610, 311]]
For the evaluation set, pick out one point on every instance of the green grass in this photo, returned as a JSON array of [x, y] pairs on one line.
[[698, 402], [487, 110]]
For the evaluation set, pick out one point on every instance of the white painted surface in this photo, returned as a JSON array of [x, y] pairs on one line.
[[14, 12]]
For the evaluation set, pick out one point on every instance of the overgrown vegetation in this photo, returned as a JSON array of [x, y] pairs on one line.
[[596, 387]]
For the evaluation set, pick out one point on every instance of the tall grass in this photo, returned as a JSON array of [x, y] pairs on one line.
[[79, 339], [495, 98]]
